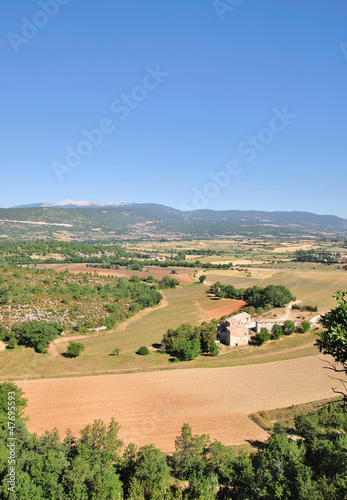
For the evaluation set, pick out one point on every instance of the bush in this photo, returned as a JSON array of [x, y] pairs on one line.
[[143, 351], [12, 343], [289, 327], [277, 332], [263, 336], [305, 326], [214, 350], [3, 333], [74, 349]]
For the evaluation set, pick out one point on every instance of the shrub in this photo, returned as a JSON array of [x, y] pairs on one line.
[[277, 332], [41, 349], [263, 336], [143, 351], [214, 350], [3, 333], [289, 327], [12, 343], [74, 349], [305, 326]]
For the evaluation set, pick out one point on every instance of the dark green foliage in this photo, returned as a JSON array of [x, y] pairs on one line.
[[202, 278], [36, 334], [288, 327], [187, 350], [214, 351], [168, 282], [304, 327], [12, 342], [143, 351], [276, 332], [262, 336], [333, 340], [187, 342], [322, 256], [74, 349], [281, 472], [268, 297]]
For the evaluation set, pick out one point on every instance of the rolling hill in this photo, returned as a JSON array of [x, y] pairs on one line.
[[85, 220]]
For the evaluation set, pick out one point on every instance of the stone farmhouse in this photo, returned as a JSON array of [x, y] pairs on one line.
[[234, 331], [269, 325]]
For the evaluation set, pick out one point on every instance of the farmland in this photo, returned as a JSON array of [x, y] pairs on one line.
[[151, 407], [254, 263]]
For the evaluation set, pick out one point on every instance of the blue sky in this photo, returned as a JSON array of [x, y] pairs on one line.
[[184, 93]]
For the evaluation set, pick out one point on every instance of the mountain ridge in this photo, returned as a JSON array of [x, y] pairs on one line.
[[94, 219]]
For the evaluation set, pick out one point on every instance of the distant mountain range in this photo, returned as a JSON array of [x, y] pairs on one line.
[[85, 220]]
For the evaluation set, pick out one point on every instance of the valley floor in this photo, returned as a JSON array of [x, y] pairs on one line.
[[151, 407]]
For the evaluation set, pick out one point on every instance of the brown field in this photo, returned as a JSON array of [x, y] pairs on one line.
[[218, 312], [151, 407], [182, 276]]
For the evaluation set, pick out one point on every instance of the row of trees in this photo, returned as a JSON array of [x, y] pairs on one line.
[[288, 328], [322, 256], [256, 296], [97, 466], [187, 342]]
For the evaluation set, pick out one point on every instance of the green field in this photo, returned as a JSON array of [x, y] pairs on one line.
[[311, 286]]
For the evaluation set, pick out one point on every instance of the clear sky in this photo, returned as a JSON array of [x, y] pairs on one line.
[[227, 104]]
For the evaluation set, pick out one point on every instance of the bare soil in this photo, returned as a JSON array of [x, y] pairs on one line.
[[218, 312], [152, 406]]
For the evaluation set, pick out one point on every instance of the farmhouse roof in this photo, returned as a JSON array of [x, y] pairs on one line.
[[238, 317]]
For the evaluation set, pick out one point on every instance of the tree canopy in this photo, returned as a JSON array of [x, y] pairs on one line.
[[333, 339]]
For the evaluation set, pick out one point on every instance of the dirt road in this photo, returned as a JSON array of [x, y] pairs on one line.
[[151, 407]]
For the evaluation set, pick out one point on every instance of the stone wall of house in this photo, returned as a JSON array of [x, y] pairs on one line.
[[269, 325]]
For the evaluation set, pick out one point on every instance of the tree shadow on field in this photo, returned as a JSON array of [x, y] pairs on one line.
[[67, 355], [255, 443], [156, 346]]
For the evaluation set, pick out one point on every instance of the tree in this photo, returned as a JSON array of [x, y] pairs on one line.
[[3, 333], [151, 469], [262, 336], [36, 334], [143, 351], [202, 278], [214, 351], [190, 454], [12, 343], [207, 336], [276, 332], [74, 349], [288, 327], [333, 340], [188, 350], [304, 327]]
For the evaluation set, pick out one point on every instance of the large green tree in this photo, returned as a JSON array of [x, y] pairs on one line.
[[333, 339]]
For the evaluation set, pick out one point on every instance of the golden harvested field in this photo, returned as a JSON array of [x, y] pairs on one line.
[[151, 407]]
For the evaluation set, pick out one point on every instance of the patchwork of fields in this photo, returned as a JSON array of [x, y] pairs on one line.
[[151, 396]]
